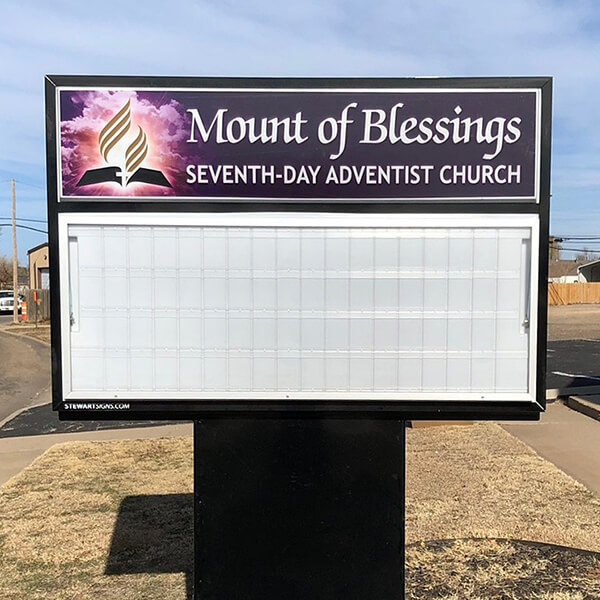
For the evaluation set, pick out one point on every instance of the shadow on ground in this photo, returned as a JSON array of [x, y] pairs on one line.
[[154, 534]]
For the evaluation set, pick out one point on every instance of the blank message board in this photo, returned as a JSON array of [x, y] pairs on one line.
[[298, 306]]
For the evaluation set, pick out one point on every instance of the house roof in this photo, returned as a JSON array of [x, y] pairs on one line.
[[562, 268], [38, 247]]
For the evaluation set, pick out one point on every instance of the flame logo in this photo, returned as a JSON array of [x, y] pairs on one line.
[[136, 152], [113, 132], [129, 169]]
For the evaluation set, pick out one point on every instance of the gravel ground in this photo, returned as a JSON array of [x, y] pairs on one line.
[[574, 322]]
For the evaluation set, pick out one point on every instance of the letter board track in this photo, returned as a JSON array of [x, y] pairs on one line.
[[298, 246]]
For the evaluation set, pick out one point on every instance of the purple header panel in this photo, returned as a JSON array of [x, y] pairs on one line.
[[423, 145]]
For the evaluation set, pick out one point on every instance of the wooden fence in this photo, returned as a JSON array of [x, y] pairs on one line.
[[38, 305], [573, 293]]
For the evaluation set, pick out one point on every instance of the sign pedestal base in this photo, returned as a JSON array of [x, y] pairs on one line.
[[301, 509]]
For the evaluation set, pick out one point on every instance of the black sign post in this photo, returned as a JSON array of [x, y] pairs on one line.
[[299, 508], [301, 267]]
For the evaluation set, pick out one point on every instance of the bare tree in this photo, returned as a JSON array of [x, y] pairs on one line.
[[5, 273], [587, 255]]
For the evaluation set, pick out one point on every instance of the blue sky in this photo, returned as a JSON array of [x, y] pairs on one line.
[[309, 38]]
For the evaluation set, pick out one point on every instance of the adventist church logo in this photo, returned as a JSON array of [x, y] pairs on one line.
[[129, 169]]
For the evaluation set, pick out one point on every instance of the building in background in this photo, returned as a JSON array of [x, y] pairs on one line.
[[564, 271], [39, 267], [589, 272]]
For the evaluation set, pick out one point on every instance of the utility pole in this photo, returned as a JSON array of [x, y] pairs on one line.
[[15, 261]]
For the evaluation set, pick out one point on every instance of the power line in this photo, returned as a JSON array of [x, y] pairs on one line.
[[591, 250], [24, 219], [24, 227], [573, 238], [33, 185], [557, 242], [581, 242]]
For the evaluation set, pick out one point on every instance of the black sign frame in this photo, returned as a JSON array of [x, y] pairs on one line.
[[402, 410]]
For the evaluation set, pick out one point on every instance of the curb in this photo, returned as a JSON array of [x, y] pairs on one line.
[[17, 412], [584, 406], [556, 393], [24, 335]]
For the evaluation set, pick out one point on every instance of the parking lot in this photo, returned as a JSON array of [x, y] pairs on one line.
[[573, 346]]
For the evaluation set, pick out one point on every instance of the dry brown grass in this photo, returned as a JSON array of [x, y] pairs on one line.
[[482, 482], [39, 333], [57, 519], [42, 332], [506, 569], [58, 516]]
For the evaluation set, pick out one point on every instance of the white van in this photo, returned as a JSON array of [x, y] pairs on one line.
[[7, 301]]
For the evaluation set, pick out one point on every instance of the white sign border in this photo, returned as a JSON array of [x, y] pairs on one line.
[[211, 199], [296, 219]]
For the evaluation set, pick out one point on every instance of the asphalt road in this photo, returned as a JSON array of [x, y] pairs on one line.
[[24, 373], [573, 363], [573, 346]]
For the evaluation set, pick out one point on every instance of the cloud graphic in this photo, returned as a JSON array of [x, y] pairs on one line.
[[160, 116]]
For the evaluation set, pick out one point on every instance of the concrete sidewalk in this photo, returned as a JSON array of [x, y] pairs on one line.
[[567, 439], [18, 452]]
